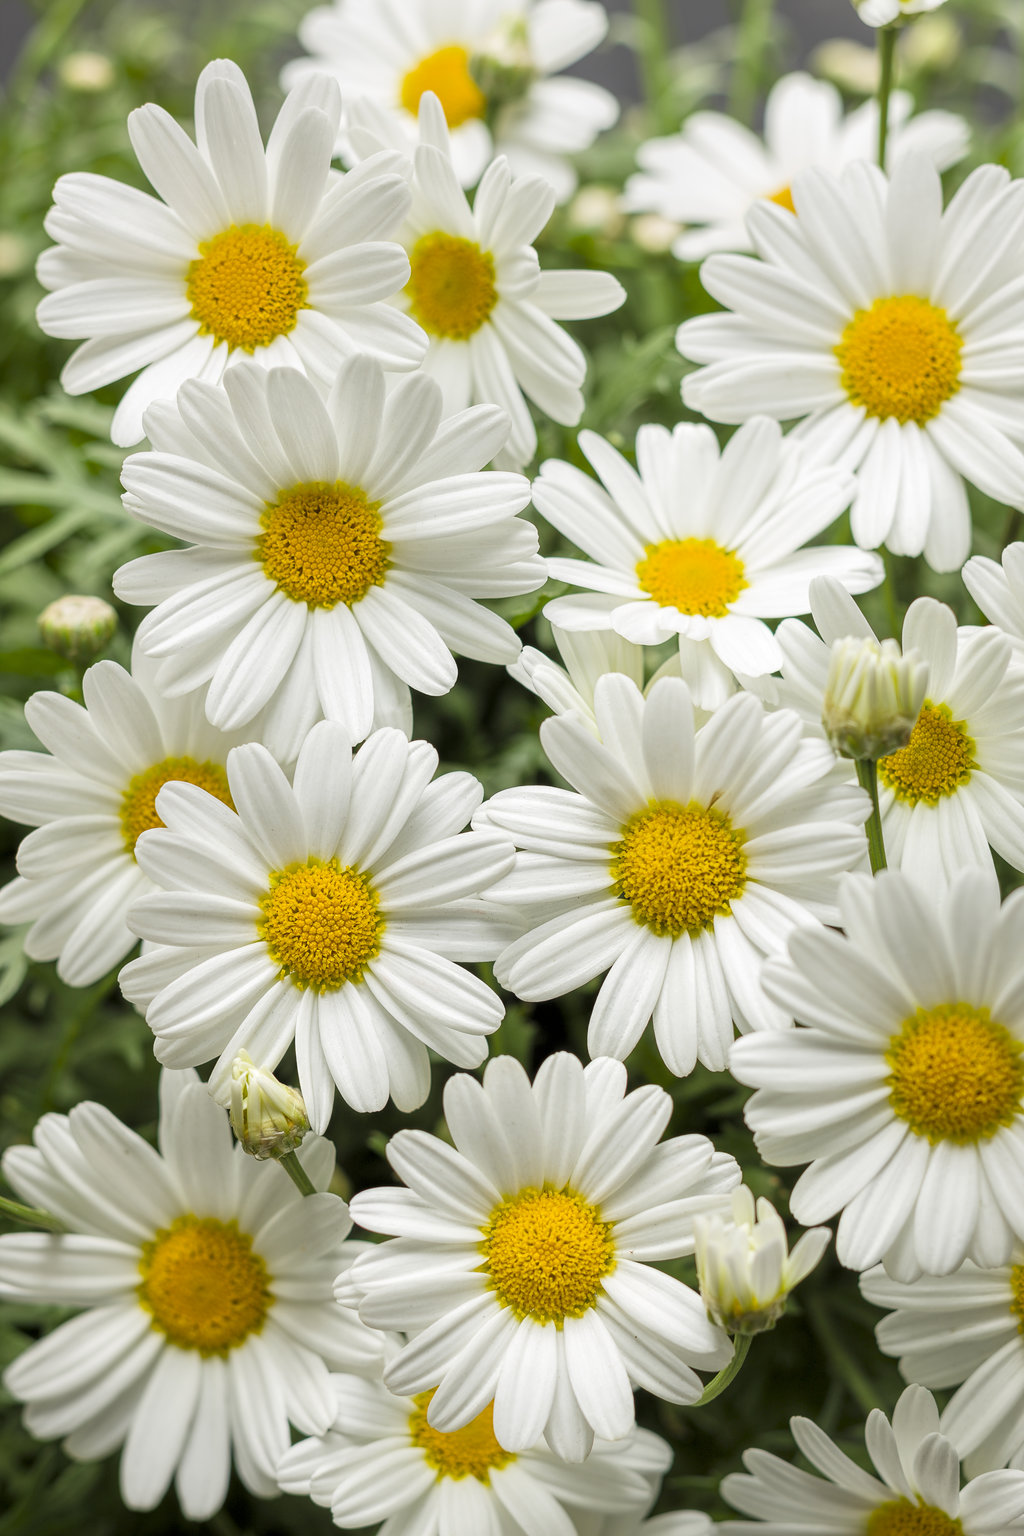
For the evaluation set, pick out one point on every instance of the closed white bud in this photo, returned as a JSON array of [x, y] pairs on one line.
[[873, 696], [267, 1116], [744, 1267], [77, 628]]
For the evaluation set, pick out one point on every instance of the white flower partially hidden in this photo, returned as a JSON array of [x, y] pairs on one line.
[[873, 696], [206, 1282], [676, 1524], [588, 656], [330, 913], [246, 252], [714, 170], [893, 328], [338, 547], [744, 1267], [879, 13], [522, 1255], [998, 589]]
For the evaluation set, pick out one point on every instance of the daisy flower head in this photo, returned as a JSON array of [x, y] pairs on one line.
[[476, 286], [711, 173], [383, 1460], [916, 1491], [491, 65], [881, 13], [684, 856], [903, 1089], [744, 1267], [246, 251], [521, 1255], [588, 655], [90, 796], [998, 589], [697, 542], [204, 1279], [893, 328], [338, 547], [329, 912]]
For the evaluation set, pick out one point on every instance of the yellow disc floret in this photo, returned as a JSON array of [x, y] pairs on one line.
[[900, 358], [321, 544], [321, 923], [678, 867], [451, 289], [697, 576], [546, 1252], [956, 1075], [203, 1285], [468, 1452], [899, 1517], [138, 803], [1017, 1295], [784, 198], [446, 73], [247, 286], [936, 761]]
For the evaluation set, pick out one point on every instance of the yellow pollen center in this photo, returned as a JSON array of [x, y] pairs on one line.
[[321, 544], [696, 576], [955, 1075], [899, 1517], [784, 198], [451, 290], [203, 1285], [446, 73], [1017, 1295], [900, 358], [468, 1452], [321, 924], [936, 761], [247, 286], [138, 803], [546, 1252], [678, 867]]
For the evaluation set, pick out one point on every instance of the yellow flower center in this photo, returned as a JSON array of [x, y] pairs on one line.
[[468, 1452], [678, 867], [784, 198], [203, 1284], [451, 290], [321, 544], [446, 73], [900, 358], [694, 575], [936, 761], [956, 1074], [899, 1517], [1017, 1295], [138, 803], [247, 286], [546, 1252], [321, 923]]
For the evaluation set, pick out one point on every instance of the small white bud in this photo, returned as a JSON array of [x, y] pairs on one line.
[[77, 628], [654, 234], [86, 71], [744, 1267], [873, 696], [596, 209], [850, 65], [267, 1116]]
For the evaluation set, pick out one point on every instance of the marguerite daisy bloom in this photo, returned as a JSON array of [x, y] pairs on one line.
[[246, 252], [687, 855], [916, 1491], [998, 589], [903, 1092], [744, 1267], [91, 796], [892, 328], [477, 290], [337, 547], [329, 913], [698, 543], [715, 169], [880, 13], [206, 1282], [489, 63], [521, 1258], [382, 1460]]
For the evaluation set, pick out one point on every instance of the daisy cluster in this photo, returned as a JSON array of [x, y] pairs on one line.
[[762, 843]]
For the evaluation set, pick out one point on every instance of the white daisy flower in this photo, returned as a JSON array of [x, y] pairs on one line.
[[916, 1492], [245, 252], [382, 1460], [588, 655], [879, 13], [91, 795], [697, 542], [744, 1267], [998, 589], [206, 1282], [712, 171], [477, 290], [894, 329], [329, 913], [687, 856], [337, 547], [489, 63], [904, 1090]]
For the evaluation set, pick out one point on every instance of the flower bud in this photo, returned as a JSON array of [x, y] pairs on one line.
[[77, 628], [873, 696], [86, 71], [744, 1268], [267, 1116]]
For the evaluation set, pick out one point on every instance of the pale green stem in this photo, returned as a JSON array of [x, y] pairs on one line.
[[755, 30], [718, 1383], [298, 1175], [654, 45], [29, 1216], [890, 594], [886, 75], [867, 778]]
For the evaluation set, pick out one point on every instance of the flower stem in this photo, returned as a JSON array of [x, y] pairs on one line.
[[886, 75], [29, 1215], [867, 778], [718, 1383], [755, 31], [654, 45], [298, 1175]]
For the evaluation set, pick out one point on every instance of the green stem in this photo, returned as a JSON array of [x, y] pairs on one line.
[[846, 1368], [890, 594], [654, 45], [886, 75], [755, 30], [29, 1216], [867, 778], [298, 1175], [718, 1383]]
